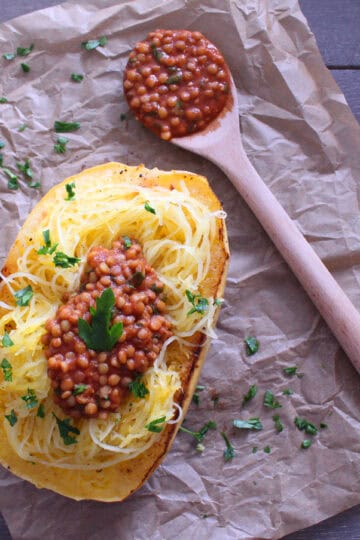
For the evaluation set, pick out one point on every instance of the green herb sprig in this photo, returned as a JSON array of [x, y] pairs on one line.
[[229, 452], [251, 423], [92, 44], [47, 248], [199, 436], [199, 303], [65, 428], [156, 426], [138, 388]]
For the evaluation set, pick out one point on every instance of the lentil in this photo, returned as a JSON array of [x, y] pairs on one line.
[[106, 374], [198, 76]]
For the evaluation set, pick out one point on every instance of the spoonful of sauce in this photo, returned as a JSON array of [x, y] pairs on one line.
[[178, 85]]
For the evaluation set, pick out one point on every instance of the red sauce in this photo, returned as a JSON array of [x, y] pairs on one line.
[[89, 383], [176, 82]]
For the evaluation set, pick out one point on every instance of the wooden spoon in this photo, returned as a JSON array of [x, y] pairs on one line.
[[221, 143]]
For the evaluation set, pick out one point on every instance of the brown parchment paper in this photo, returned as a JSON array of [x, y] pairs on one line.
[[304, 142]]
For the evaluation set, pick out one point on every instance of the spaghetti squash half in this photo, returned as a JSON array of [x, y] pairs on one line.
[[179, 224]]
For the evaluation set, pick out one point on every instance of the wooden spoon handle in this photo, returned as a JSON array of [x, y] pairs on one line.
[[331, 301]]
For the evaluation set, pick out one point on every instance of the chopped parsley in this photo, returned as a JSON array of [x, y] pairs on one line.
[[278, 425], [41, 411], [47, 248], [174, 79], [254, 450], [323, 426], [306, 444], [200, 304], [155, 425], [60, 145], [30, 399], [7, 369], [6, 340], [65, 127], [252, 345], [157, 53], [292, 370], [218, 301], [251, 423], [136, 279], [138, 388], [11, 418], [92, 44], [24, 51], [25, 168], [9, 56], [270, 401], [25, 68], [22, 127], [62, 260], [229, 451], [65, 429], [304, 425], [13, 182], [23, 296], [2, 144], [288, 392], [149, 208], [3, 99], [1, 160], [99, 335], [76, 77], [79, 389], [127, 242], [196, 396], [70, 190], [250, 394], [199, 436], [267, 449]]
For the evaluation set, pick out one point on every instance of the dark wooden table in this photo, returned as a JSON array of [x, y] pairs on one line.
[[336, 25]]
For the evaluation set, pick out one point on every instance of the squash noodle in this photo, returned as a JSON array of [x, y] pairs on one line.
[[176, 242]]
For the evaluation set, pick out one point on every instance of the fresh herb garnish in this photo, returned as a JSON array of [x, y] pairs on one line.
[[199, 303], [94, 43], [3, 99], [24, 51], [155, 426], [229, 451], [2, 144], [254, 450], [25, 68], [79, 389], [138, 388], [70, 190], [270, 401], [34, 184], [252, 345], [218, 301], [1, 160], [99, 335], [196, 396], [25, 168], [149, 208], [76, 77], [6, 340], [22, 127], [13, 182], [7, 369], [200, 435], [30, 399], [64, 261], [323, 425], [174, 79], [306, 444], [250, 394], [65, 428], [23, 296], [287, 392], [41, 411], [157, 53], [65, 127], [136, 279], [60, 145], [279, 426], [47, 248], [291, 370], [267, 449], [179, 104], [304, 425], [9, 56], [11, 418], [252, 423], [127, 242]]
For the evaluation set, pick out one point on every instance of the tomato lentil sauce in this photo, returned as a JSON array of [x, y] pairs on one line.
[[176, 82], [104, 377]]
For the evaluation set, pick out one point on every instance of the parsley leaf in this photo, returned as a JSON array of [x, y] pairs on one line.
[[6, 340], [157, 53], [196, 396], [323, 425], [174, 79], [270, 401], [155, 426], [1, 160], [200, 304], [25, 168], [291, 370], [25, 68], [149, 208], [250, 394], [22, 127], [23, 296], [252, 423], [2, 144], [306, 444], [65, 428], [229, 451], [252, 345], [7, 369], [136, 279], [279, 426], [60, 146], [11, 418], [267, 449], [47, 248], [9, 56], [41, 411], [287, 392], [76, 77], [94, 43], [24, 51], [138, 388], [99, 335], [64, 261], [70, 190], [65, 127], [200, 435], [3, 99], [254, 450], [127, 242], [79, 389], [13, 182], [304, 425], [30, 399]]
